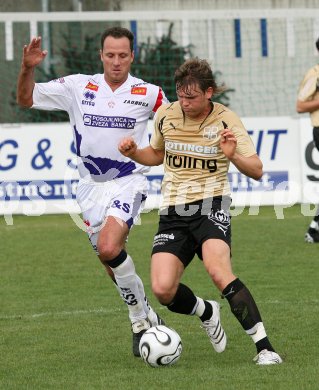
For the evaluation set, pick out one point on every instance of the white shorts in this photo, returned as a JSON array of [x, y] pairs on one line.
[[123, 198]]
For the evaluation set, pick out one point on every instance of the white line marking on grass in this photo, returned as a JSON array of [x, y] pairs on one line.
[[61, 313], [102, 310]]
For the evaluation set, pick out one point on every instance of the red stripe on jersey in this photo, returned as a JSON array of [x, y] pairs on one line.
[[159, 100]]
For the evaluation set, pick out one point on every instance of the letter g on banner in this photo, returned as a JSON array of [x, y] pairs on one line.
[[310, 161], [12, 158]]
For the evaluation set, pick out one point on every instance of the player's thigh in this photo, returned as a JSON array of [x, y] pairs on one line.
[[166, 272], [217, 261], [112, 235]]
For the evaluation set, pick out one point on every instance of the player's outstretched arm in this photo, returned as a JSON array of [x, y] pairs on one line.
[[307, 106], [32, 56], [146, 156], [249, 166]]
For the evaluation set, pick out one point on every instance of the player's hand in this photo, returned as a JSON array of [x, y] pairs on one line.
[[127, 146], [228, 143], [33, 55]]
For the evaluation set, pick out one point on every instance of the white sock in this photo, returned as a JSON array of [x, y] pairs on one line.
[[143, 297], [146, 306], [314, 225], [199, 307], [257, 332], [127, 285]]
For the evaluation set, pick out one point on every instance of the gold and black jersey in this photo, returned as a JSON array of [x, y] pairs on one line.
[[195, 167], [309, 90]]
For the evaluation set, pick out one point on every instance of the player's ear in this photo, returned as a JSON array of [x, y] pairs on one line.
[[101, 55], [132, 56], [209, 93]]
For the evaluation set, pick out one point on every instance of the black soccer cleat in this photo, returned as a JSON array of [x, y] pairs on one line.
[[312, 236], [139, 328]]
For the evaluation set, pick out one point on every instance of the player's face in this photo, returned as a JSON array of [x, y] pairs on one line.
[[194, 102], [117, 58]]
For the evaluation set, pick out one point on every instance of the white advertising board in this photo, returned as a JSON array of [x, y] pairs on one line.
[[277, 144], [38, 168]]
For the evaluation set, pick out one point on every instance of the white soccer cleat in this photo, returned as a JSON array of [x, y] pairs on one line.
[[266, 358], [138, 329], [214, 329]]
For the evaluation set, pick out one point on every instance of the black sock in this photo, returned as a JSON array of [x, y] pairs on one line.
[[184, 300], [208, 312], [264, 344], [244, 308]]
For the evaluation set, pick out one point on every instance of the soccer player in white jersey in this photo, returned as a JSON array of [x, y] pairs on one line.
[[103, 108], [196, 139]]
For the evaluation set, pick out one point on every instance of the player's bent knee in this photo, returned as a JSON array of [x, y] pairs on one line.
[[164, 295], [107, 251], [219, 277]]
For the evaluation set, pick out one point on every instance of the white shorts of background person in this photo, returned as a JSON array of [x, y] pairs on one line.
[[121, 198]]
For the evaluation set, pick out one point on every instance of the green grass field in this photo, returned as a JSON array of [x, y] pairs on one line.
[[63, 325]]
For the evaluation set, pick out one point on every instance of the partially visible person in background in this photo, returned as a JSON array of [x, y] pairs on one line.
[[308, 101], [103, 108]]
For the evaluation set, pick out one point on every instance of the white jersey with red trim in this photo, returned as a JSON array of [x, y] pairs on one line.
[[100, 118]]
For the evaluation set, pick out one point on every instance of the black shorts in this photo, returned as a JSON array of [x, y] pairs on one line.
[[183, 235], [316, 136]]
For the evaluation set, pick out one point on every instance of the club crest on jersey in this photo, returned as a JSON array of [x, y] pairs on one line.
[[138, 90], [92, 87], [210, 132], [221, 219], [89, 96]]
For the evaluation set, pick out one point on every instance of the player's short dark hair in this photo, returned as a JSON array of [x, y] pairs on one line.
[[317, 44], [196, 72], [117, 32]]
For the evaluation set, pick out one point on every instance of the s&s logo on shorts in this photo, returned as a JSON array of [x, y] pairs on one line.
[[221, 219]]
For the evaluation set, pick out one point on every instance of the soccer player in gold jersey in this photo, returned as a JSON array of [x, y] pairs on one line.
[[196, 139]]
